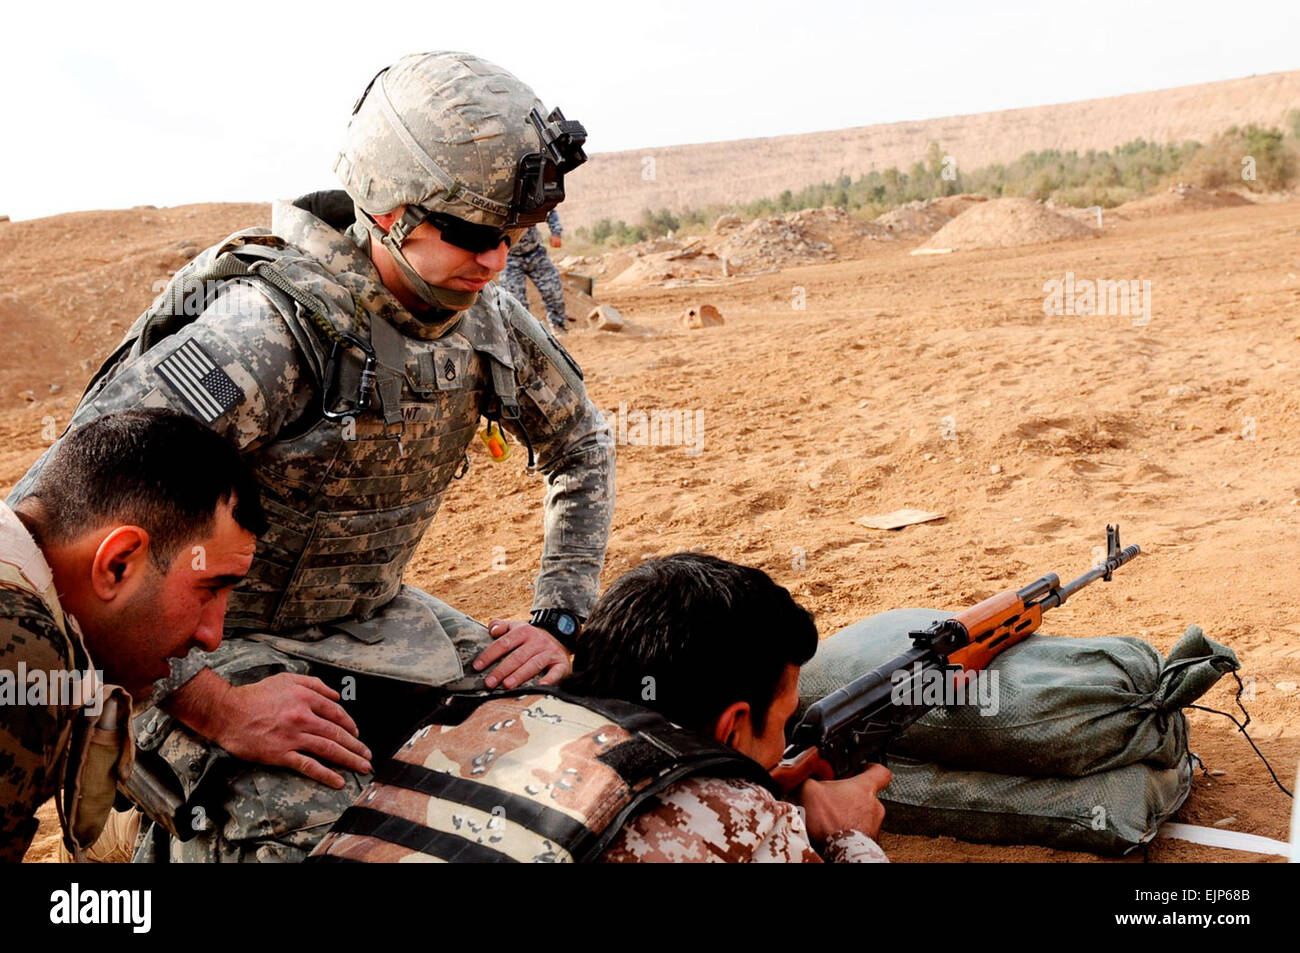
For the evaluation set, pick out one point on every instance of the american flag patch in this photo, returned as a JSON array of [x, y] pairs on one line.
[[204, 386]]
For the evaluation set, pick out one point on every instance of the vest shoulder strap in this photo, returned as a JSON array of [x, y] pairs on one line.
[[254, 255]]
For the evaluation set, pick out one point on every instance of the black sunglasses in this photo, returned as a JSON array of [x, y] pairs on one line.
[[470, 236]]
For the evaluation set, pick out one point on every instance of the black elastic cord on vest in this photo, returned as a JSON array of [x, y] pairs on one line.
[[367, 822], [541, 820]]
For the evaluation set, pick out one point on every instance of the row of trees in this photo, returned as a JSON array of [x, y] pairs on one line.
[[1254, 157]]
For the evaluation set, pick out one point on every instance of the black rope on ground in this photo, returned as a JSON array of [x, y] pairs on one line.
[[1241, 726]]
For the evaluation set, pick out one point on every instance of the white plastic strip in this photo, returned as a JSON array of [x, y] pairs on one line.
[[1295, 823], [1232, 840]]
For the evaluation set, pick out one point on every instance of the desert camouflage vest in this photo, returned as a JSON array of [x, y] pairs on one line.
[[347, 499], [530, 776], [97, 747]]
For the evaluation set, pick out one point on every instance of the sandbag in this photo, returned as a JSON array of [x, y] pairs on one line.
[[1065, 707], [1085, 747], [1110, 812]]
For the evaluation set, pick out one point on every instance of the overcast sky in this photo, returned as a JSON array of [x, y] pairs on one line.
[[113, 105]]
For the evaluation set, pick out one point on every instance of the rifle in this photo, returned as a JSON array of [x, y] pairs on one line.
[[850, 728]]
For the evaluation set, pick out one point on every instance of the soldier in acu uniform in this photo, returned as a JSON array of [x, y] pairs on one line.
[[528, 257], [349, 351]]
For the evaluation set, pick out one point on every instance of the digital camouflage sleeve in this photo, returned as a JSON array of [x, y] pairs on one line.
[[715, 820], [32, 733], [575, 452]]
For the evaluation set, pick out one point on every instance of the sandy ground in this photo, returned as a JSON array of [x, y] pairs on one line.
[[907, 381]]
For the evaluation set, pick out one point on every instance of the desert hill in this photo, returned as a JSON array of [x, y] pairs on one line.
[[612, 185]]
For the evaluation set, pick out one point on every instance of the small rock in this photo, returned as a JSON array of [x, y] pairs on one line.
[[1225, 821], [604, 317], [27, 395], [995, 469], [1217, 773], [929, 456], [861, 404], [55, 388], [1287, 687], [4, 218]]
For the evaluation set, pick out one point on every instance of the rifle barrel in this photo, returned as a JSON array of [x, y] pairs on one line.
[[1058, 596]]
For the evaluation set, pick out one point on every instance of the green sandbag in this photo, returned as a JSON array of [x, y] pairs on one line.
[[1063, 707], [1085, 749], [1110, 812]]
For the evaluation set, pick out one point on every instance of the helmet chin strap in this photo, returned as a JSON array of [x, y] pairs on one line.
[[440, 299]]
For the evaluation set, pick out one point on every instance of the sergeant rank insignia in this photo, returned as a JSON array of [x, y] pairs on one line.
[[203, 385]]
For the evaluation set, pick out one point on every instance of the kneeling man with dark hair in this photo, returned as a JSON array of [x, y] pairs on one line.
[[656, 749], [121, 557]]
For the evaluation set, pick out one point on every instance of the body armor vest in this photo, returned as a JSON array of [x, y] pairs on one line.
[[529, 775], [347, 498]]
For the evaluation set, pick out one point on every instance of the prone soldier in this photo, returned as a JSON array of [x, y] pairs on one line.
[[657, 748]]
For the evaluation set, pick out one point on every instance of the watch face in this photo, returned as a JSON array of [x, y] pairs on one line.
[[566, 624]]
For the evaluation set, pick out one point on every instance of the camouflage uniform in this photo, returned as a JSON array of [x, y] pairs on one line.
[[550, 778], [34, 738], [529, 257], [725, 820], [348, 501]]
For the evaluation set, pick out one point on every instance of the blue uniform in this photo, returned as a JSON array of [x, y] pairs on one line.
[[528, 257]]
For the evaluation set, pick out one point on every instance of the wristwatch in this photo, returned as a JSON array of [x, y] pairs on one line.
[[561, 623]]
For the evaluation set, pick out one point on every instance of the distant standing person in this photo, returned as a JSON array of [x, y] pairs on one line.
[[528, 257]]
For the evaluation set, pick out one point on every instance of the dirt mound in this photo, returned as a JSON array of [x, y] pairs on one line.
[[921, 217], [810, 235], [72, 284], [1002, 223], [926, 216], [652, 265], [1180, 198], [604, 267], [765, 244]]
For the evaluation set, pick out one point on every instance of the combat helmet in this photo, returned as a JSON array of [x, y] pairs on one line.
[[451, 134]]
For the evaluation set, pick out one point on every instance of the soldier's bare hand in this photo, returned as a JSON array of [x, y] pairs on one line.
[[525, 652], [851, 804], [287, 719], [555, 241]]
